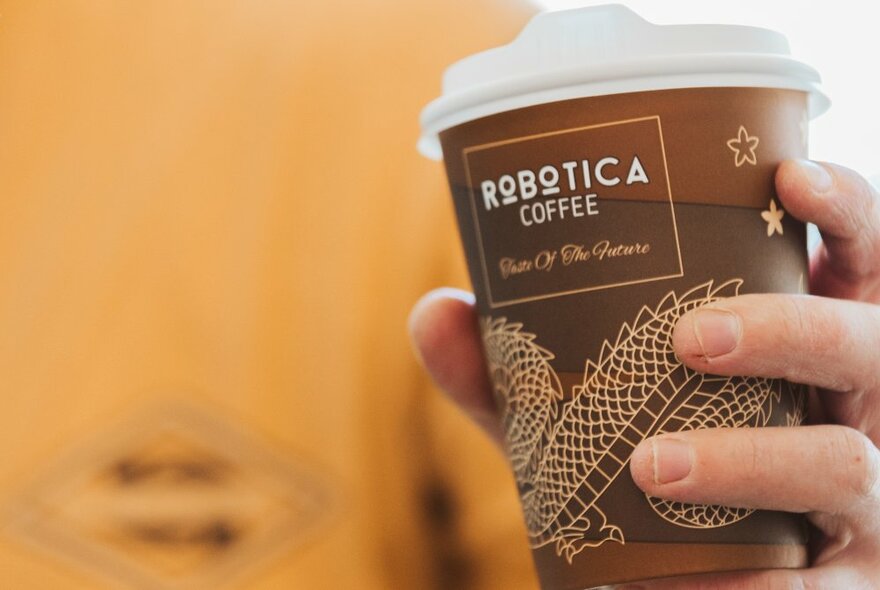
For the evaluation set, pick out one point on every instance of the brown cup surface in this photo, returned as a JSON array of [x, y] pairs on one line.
[[590, 226]]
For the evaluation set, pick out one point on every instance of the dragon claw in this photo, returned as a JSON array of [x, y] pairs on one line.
[[572, 544], [614, 533]]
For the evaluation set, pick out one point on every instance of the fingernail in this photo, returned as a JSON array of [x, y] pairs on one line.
[[817, 175], [717, 331], [672, 460]]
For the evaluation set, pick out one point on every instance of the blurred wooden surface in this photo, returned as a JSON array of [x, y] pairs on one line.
[[213, 222]]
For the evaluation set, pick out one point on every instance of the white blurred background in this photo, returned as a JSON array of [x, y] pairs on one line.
[[841, 39]]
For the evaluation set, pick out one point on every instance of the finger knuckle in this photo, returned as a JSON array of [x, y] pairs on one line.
[[763, 581], [870, 220], [862, 214], [870, 375], [795, 323], [818, 332], [793, 581], [859, 462], [808, 326], [757, 458], [721, 584], [867, 197], [854, 191], [853, 214], [778, 581]]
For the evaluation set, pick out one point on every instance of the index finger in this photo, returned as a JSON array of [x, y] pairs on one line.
[[444, 331], [828, 469], [844, 206]]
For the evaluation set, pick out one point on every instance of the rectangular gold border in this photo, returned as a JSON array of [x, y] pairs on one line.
[[466, 152]]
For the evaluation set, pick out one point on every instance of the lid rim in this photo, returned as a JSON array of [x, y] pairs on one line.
[[429, 141], [662, 66], [610, 49]]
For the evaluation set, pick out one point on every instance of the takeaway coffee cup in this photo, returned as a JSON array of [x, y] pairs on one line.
[[610, 175]]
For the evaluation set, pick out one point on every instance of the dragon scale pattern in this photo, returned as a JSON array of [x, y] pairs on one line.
[[566, 454]]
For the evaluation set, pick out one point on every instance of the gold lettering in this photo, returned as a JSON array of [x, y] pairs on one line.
[[544, 260], [572, 253], [511, 266], [603, 250]]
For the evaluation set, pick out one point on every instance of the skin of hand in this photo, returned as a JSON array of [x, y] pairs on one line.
[[830, 340]]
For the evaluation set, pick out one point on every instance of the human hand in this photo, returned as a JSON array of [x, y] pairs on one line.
[[829, 340]]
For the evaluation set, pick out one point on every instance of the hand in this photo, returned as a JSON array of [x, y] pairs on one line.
[[829, 340]]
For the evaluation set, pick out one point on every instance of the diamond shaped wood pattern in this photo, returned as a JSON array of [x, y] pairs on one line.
[[175, 498]]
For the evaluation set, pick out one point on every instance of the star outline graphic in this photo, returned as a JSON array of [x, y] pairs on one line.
[[743, 147], [773, 216]]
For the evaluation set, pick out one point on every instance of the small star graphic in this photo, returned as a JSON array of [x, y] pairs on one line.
[[773, 217], [744, 147]]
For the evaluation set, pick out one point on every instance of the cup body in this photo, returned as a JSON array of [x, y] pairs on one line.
[[591, 225]]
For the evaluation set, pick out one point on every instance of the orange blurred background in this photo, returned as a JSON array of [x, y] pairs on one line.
[[214, 222]]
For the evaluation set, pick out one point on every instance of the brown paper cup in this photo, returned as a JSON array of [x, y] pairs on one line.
[[590, 226], [657, 203]]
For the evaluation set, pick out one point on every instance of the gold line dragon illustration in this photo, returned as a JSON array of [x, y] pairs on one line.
[[565, 454]]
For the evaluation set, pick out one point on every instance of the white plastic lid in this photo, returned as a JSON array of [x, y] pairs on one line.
[[610, 49]]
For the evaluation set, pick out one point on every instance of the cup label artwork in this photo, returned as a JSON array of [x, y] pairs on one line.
[[568, 448], [592, 208]]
